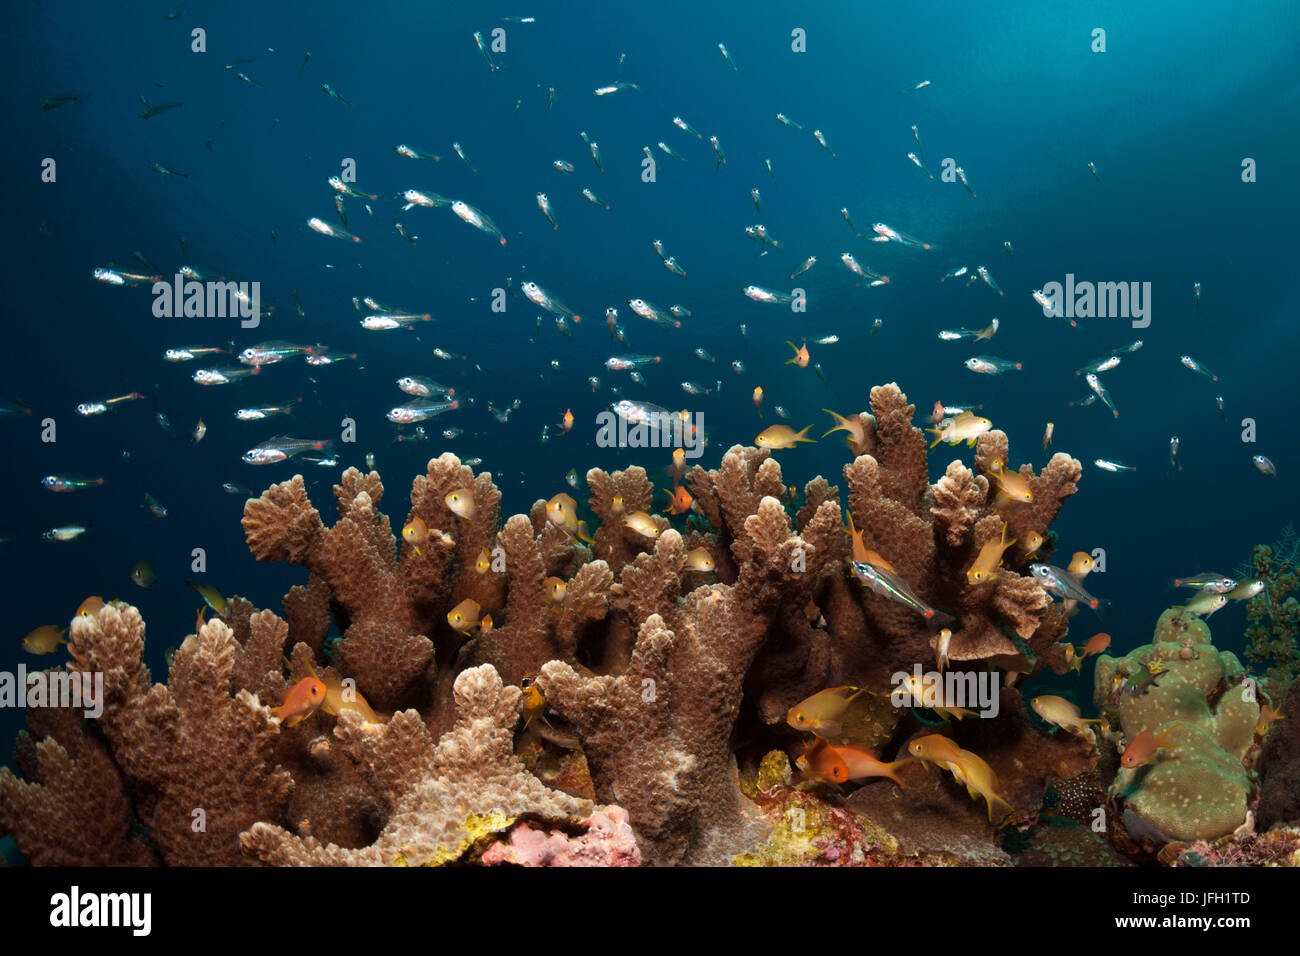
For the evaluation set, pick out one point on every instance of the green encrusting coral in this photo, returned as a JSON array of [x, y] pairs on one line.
[[1198, 789]]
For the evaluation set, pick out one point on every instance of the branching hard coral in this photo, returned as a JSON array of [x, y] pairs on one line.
[[682, 652], [536, 630], [932, 539], [199, 758], [381, 607], [440, 800], [657, 736], [73, 807]]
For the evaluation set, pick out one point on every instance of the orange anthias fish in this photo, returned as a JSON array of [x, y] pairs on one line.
[[301, 701], [821, 713], [801, 356], [758, 400], [567, 421], [856, 437], [861, 764], [682, 501], [986, 562], [1145, 746], [1097, 644], [820, 762]]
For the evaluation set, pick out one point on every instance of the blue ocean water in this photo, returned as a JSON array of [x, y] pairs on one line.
[[1182, 95]]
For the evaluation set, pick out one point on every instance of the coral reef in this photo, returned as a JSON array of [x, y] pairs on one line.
[[931, 535], [441, 799], [1273, 635], [1199, 789], [647, 673], [1062, 842], [1278, 847]]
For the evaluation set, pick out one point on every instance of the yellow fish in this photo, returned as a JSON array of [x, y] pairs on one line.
[[856, 438], [339, 698], [415, 533], [1059, 711], [979, 779], [464, 617], [781, 436], [461, 503], [966, 427], [820, 714], [989, 558], [1013, 484], [44, 640], [562, 511], [555, 589], [1081, 563], [642, 524], [484, 562], [212, 597], [861, 553], [699, 559]]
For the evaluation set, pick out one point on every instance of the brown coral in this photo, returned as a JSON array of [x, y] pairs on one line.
[[200, 758], [440, 799]]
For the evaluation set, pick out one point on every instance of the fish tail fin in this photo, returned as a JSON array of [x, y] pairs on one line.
[[799, 435], [890, 771]]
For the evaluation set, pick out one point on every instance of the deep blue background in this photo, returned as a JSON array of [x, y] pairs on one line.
[[1184, 92]]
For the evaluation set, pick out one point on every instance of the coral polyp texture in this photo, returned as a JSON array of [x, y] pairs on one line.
[[1199, 788], [637, 713]]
